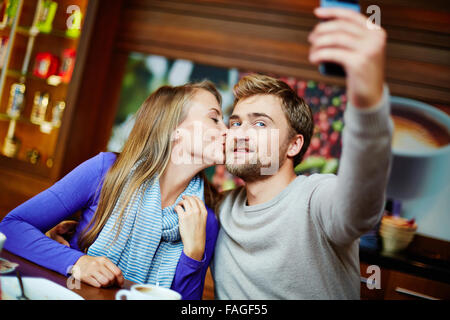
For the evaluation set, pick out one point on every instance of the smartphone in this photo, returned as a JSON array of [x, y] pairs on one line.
[[329, 68]]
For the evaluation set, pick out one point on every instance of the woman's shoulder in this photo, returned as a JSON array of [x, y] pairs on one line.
[[108, 159], [100, 163], [109, 156], [89, 172]]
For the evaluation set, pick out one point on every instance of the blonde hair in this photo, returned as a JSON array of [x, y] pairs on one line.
[[150, 139], [297, 112]]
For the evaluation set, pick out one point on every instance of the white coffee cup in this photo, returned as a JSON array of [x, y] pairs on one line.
[[2, 240], [147, 292]]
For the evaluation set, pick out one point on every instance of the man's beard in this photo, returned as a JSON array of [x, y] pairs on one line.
[[250, 172]]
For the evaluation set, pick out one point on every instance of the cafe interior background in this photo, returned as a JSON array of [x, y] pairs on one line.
[[73, 72]]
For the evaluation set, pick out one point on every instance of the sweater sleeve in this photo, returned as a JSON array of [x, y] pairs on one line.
[[190, 274], [25, 226], [352, 203]]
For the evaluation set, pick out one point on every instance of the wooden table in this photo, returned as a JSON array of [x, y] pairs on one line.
[[30, 269]]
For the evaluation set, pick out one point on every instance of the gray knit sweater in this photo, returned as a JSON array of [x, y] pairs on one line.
[[303, 244]]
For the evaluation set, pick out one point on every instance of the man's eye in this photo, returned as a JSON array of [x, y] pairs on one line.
[[235, 124], [215, 120], [260, 124]]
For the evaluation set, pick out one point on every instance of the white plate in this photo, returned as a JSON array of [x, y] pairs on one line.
[[35, 289]]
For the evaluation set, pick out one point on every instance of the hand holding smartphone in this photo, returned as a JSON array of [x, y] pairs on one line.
[[346, 38], [329, 68]]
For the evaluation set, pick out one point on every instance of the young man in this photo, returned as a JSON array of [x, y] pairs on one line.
[[289, 237]]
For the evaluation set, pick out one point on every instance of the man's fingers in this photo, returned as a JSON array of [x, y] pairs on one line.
[[335, 26], [338, 40], [69, 226], [340, 13], [66, 227], [337, 55], [61, 240]]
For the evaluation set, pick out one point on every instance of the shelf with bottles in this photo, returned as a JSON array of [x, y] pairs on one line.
[[7, 117], [34, 129], [52, 80], [17, 145], [46, 17], [34, 92], [32, 103], [38, 46], [30, 31], [38, 116]]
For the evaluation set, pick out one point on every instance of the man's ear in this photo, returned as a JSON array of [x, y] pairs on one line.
[[295, 145]]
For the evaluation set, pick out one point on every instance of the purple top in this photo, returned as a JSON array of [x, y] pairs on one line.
[[25, 226]]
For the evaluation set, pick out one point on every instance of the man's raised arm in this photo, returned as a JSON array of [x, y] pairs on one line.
[[351, 204]]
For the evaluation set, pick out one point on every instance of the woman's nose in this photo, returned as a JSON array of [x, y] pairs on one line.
[[223, 130]]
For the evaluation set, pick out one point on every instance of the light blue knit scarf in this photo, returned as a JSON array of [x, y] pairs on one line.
[[149, 244]]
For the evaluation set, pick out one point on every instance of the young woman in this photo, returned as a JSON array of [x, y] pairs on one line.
[[143, 214]]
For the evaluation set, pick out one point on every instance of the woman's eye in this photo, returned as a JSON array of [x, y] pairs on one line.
[[260, 124], [235, 124], [215, 120]]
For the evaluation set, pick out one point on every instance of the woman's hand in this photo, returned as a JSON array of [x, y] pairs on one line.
[[97, 271], [62, 231], [192, 221]]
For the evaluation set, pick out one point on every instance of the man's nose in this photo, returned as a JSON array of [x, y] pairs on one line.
[[238, 135], [244, 132]]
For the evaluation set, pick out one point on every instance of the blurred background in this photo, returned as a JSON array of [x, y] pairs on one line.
[[73, 72]]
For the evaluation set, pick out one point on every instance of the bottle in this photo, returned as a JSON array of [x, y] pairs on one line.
[[57, 113], [74, 22], [3, 50], [67, 65], [33, 156], [12, 144], [16, 100], [39, 107], [9, 12], [46, 14]]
